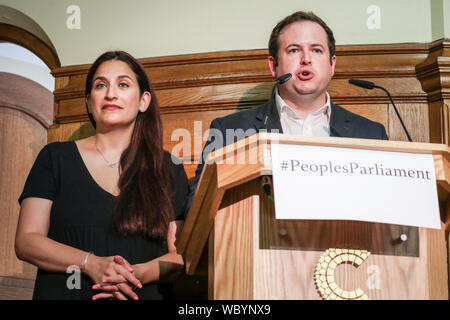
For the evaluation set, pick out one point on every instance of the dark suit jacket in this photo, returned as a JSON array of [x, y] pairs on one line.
[[343, 123]]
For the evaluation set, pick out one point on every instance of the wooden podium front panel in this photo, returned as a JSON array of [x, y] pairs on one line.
[[233, 249], [245, 267]]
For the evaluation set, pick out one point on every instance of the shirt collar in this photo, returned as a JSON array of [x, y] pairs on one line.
[[284, 107]]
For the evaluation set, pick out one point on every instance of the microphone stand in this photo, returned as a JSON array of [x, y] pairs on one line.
[[396, 111], [370, 85]]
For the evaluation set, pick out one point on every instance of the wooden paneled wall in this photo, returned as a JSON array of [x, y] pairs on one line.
[[25, 115], [194, 89]]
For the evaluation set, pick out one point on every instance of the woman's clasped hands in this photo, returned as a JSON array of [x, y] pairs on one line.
[[114, 278]]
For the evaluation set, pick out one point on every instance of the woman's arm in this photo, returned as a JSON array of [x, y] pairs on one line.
[[166, 267], [33, 245], [163, 268]]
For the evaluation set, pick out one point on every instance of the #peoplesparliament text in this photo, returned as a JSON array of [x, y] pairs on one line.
[[375, 169]]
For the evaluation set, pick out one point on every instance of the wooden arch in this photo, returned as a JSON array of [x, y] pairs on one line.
[[18, 28]]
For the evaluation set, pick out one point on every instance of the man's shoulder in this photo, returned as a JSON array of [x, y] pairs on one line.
[[242, 118], [353, 116], [348, 124]]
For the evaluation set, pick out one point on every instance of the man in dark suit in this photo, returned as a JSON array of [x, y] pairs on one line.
[[303, 46]]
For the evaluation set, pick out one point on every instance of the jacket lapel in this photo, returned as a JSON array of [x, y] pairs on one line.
[[268, 118], [339, 122]]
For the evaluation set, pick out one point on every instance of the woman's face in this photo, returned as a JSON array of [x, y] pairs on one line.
[[115, 99]]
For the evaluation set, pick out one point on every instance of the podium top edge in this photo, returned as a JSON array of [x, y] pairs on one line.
[[337, 142]]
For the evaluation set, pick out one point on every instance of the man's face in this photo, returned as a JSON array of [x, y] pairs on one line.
[[303, 51]]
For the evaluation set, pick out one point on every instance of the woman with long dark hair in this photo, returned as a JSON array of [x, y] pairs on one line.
[[106, 209]]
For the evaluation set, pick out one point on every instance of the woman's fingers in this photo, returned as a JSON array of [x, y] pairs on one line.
[[119, 296], [121, 274], [121, 287], [120, 260], [100, 296], [105, 287], [126, 289], [114, 270], [115, 295]]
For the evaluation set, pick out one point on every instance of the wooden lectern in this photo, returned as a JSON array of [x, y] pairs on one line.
[[232, 234]]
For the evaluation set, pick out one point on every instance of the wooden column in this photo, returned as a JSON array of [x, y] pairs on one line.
[[434, 75], [25, 114]]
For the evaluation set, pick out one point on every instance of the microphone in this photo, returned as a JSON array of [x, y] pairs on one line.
[[284, 78], [370, 85], [362, 83], [280, 80]]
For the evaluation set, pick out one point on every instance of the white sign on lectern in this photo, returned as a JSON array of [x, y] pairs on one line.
[[327, 183]]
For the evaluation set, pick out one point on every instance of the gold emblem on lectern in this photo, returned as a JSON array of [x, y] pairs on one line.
[[324, 273]]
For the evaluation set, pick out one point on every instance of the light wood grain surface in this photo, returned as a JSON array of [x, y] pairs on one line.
[[254, 256]]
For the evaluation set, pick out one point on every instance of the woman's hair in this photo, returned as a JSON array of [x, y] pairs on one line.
[[144, 203]]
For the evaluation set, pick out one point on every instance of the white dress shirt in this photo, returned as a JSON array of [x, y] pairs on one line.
[[316, 123]]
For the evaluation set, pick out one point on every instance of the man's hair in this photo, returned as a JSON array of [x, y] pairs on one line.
[[298, 17]]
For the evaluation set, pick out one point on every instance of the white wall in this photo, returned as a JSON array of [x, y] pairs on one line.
[[149, 28]]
